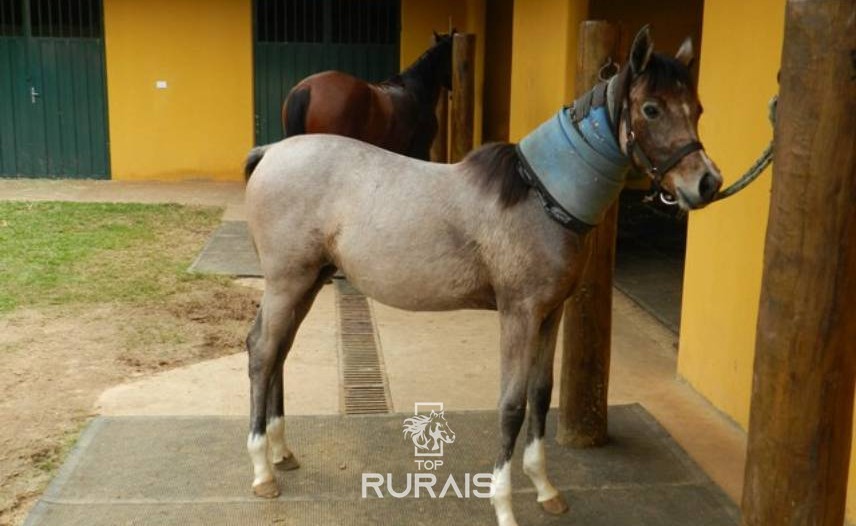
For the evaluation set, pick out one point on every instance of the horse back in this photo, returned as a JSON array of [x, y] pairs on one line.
[[338, 104], [341, 104]]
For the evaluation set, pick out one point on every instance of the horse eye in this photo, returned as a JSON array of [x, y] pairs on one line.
[[650, 110]]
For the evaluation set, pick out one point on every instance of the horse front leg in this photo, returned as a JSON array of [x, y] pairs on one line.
[[518, 342], [540, 390]]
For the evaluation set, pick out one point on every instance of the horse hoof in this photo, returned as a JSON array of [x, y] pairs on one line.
[[287, 464], [267, 490], [556, 505]]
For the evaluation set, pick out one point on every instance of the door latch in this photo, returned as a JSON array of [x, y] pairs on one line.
[[34, 94]]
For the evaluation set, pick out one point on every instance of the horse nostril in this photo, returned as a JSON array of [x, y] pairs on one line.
[[708, 186]]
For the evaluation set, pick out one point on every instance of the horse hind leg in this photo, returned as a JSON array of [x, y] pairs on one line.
[[540, 388], [280, 454], [267, 344]]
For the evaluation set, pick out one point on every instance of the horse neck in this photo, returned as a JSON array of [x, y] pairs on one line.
[[421, 79]]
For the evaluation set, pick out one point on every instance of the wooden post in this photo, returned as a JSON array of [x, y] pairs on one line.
[[805, 349], [440, 146], [463, 94], [588, 313]]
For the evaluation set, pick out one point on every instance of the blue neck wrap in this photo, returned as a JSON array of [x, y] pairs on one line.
[[577, 168]]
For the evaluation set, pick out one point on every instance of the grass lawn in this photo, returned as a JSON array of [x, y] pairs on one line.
[[60, 253], [94, 295]]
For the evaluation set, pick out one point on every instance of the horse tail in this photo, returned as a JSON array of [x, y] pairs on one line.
[[253, 159], [295, 112]]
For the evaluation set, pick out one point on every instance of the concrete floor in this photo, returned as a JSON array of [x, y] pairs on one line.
[[424, 353]]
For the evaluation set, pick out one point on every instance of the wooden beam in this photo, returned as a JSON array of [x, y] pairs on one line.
[[463, 94], [588, 313], [803, 386], [440, 146]]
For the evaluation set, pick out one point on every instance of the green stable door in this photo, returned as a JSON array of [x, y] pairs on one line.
[[296, 38], [53, 99]]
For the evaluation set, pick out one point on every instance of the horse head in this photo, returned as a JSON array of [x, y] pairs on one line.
[[442, 48], [659, 124]]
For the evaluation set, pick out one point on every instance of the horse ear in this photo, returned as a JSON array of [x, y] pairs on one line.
[[686, 54], [640, 51], [436, 37]]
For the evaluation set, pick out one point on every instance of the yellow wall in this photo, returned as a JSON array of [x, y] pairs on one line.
[[742, 44], [419, 18], [201, 126], [497, 76], [725, 242], [543, 59]]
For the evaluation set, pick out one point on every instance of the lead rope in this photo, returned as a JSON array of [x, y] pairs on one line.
[[759, 165]]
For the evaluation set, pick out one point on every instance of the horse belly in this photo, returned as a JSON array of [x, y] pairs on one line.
[[399, 271]]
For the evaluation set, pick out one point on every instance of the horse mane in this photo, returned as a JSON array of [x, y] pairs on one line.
[[423, 66], [494, 167]]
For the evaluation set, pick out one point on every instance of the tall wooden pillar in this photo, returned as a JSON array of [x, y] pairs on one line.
[[802, 392], [440, 146], [588, 313], [463, 94]]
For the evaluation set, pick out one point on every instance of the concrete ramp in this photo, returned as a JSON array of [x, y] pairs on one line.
[[194, 470]]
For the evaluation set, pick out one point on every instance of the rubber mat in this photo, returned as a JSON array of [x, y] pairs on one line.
[[229, 251], [195, 470]]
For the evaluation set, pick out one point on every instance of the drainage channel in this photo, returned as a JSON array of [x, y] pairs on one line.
[[364, 386]]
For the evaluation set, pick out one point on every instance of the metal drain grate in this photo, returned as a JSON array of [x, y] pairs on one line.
[[362, 377]]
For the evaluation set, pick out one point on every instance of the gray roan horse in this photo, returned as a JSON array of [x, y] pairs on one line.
[[504, 230]]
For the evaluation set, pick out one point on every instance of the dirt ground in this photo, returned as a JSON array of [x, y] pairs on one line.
[[57, 360]]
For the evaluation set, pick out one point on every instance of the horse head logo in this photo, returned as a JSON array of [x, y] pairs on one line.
[[429, 432]]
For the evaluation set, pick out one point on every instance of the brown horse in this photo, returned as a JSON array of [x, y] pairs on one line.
[[397, 114]]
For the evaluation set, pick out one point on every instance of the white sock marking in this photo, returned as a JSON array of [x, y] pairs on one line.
[[275, 432], [501, 489], [535, 466], [257, 446]]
